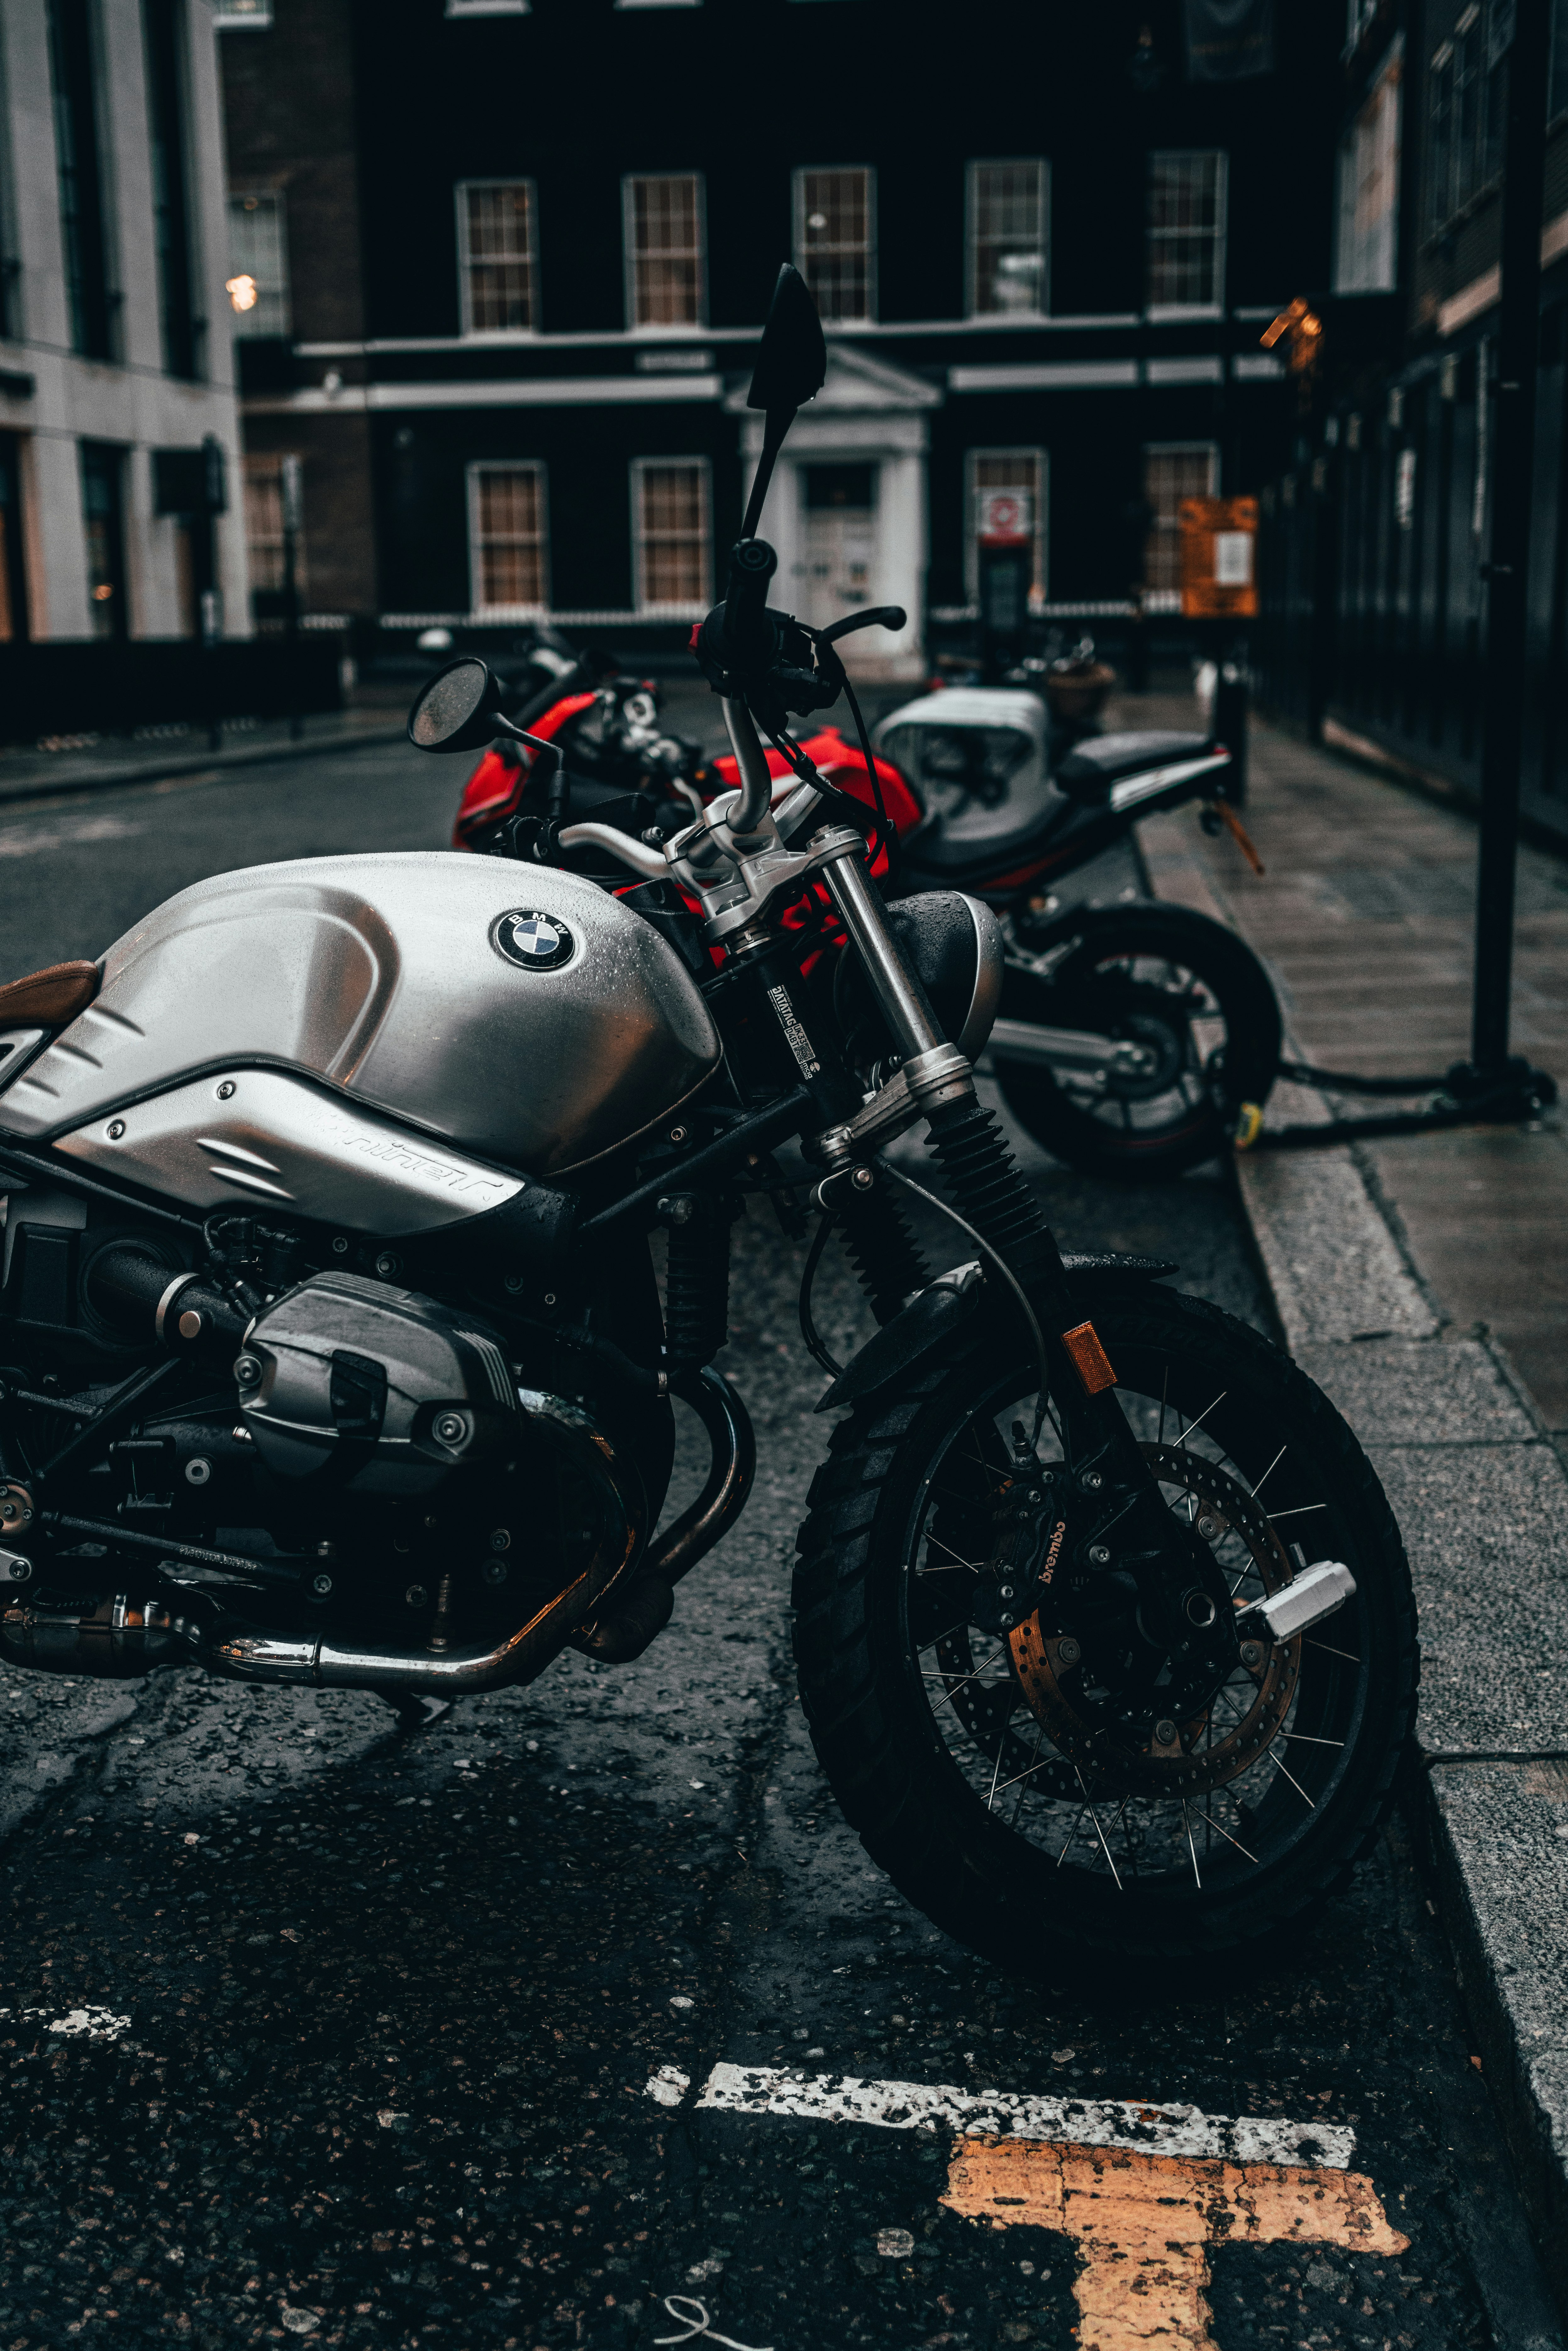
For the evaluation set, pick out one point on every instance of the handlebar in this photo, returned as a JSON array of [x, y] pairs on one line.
[[748, 633]]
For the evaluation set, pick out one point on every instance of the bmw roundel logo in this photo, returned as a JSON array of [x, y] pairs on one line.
[[532, 940]]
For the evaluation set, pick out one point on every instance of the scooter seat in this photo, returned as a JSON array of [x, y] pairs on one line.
[[1091, 767], [986, 844], [50, 998]]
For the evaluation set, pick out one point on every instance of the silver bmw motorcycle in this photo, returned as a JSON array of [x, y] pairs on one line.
[[332, 1350]]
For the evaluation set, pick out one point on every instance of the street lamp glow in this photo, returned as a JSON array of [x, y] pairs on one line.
[[241, 292]]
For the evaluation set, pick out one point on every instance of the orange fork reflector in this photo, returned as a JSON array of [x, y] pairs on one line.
[[1089, 1357]]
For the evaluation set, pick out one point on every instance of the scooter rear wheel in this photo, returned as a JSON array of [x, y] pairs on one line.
[[1189, 991]]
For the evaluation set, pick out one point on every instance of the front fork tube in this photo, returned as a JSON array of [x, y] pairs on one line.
[[980, 1170]]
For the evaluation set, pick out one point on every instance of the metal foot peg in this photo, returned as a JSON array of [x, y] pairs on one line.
[[1305, 1601]]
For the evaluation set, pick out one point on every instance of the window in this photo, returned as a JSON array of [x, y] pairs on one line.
[[258, 259], [265, 516], [508, 539], [488, 7], [664, 250], [835, 250], [1187, 231], [1467, 95], [1007, 240], [163, 25], [13, 569], [1367, 252], [672, 534], [1023, 474], [102, 487], [495, 256], [243, 15], [82, 235], [11, 324], [1173, 470]]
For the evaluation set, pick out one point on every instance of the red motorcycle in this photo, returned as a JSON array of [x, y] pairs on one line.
[[1134, 1038]]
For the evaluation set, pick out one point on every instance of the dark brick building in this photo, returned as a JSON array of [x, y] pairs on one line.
[[507, 264]]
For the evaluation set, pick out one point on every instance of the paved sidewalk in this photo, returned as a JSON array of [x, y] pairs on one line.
[[1421, 1283], [98, 763]]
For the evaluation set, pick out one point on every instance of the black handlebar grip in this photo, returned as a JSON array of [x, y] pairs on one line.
[[748, 637]]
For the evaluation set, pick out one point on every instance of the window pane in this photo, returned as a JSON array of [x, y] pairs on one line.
[[1009, 230], [836, 241], [664, 220], [509, 525], [673, 534], [1187, 228], [1185, 471], [259, 264], [264, 522], [498, 257]]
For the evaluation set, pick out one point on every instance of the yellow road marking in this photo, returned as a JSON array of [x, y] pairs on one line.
[[1143, 2224]]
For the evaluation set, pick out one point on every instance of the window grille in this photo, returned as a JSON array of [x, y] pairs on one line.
[[259, 263], [1007, 239], [664, 250], [509, 538], [1173, 470], [1366, 252], [674, 534], [1024, 470], [1186, 231], [496, 261], [835, 245], [1467, 103]]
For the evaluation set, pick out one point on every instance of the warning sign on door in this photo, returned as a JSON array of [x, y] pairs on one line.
[[1218, 573], [1004, 517]]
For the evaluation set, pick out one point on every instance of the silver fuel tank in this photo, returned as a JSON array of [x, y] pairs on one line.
[[517, 1011]]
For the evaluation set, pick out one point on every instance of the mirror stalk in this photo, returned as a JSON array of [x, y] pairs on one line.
[[776, 424]]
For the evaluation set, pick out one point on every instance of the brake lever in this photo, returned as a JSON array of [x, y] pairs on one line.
[[881, 616]]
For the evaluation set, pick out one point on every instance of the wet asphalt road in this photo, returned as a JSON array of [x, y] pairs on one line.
[[384, 2007]]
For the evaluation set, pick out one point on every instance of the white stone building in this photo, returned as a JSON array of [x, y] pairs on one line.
[[116, 355]]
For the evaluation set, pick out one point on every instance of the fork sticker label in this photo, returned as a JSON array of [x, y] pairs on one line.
[[799, 1044]]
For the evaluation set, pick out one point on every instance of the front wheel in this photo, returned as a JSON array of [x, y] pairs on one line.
[[1194, 1005], [993, 1776]]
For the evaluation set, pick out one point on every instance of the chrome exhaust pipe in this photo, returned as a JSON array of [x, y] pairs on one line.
[[120, 1638]]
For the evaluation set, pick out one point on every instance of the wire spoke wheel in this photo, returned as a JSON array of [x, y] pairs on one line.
[[1192, 1029], [1074, 1786]]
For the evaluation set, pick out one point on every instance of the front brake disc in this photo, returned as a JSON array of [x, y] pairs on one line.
[[1076, 1700]]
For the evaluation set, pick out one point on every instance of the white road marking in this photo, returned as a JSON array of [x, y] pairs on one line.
[[1147, 2129], [75, 2024]]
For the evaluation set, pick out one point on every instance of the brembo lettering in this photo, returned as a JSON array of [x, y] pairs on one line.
[[414, 1163], [1054, 1553]]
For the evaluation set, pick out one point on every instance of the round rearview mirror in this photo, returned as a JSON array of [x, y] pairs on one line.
[[457, 711]]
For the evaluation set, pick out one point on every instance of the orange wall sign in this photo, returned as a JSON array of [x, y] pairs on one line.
[[1218, 550]]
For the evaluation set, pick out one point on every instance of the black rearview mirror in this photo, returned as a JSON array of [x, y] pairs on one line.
[[793, 360], [457, 711], [791, 363]]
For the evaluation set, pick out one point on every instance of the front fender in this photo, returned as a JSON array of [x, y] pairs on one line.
[[936, 1314]]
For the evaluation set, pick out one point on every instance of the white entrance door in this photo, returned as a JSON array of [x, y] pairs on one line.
[[839, 540]]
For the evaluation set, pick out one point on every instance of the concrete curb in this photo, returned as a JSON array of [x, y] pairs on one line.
[[158, 770], [1480, 1491]]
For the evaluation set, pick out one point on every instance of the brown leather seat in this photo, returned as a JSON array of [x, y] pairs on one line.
[[48, 999]]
